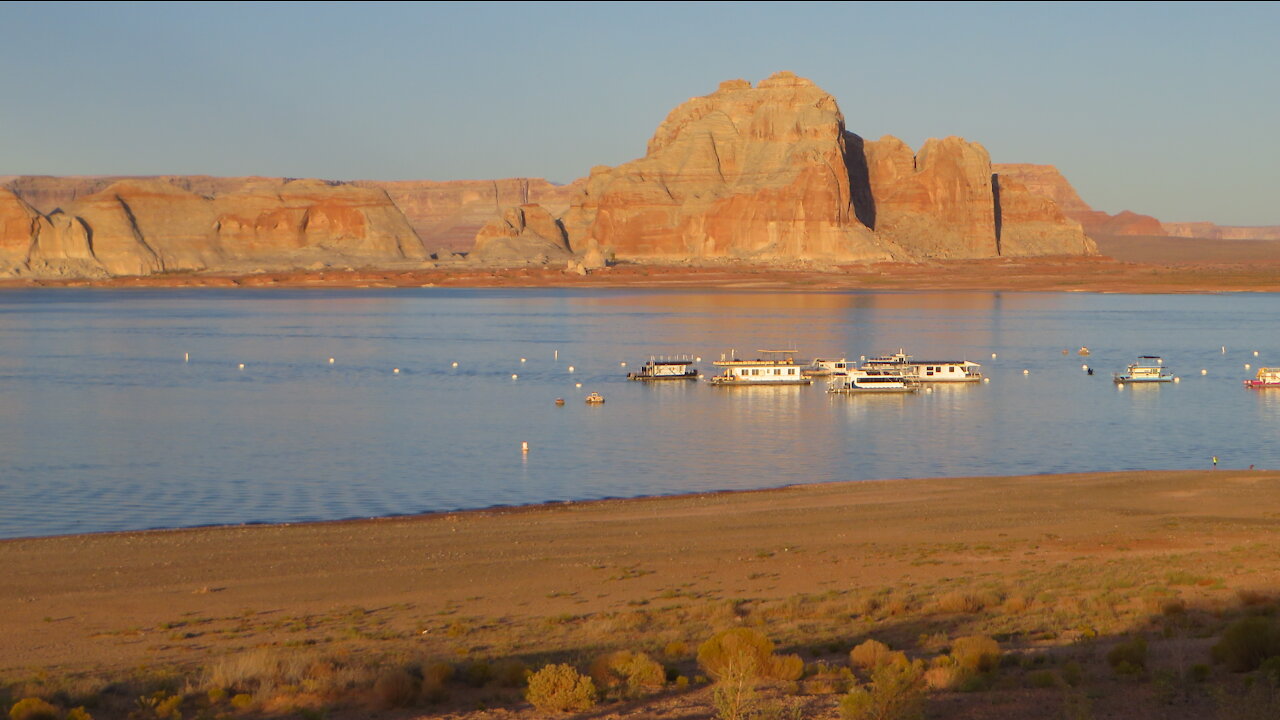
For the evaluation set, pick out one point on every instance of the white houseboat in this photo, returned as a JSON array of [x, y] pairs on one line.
[[1148, 369], [823, 368], [665, 369], [778, 370], [927, 370], [873, 381]]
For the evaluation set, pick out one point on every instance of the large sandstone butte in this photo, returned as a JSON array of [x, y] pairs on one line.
[[769, 173], [144, 226]]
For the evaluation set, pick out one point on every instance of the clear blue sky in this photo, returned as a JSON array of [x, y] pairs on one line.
[[1171, 110]]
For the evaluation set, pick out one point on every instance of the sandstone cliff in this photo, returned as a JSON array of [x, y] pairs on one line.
[[769, 173], [757, 173], [143, 226], [524, 231], [1221, 232], [1047, 181]]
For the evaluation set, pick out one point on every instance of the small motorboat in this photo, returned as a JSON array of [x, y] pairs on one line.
[[595, 398], [559, 401], [873, 381], [664, 369]]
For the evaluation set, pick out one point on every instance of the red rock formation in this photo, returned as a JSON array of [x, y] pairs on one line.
[[1047, 181], [19, 226], [1032, 224], [524, 231], [744, 172], [937, 204], [1221, 232], [448, 214]]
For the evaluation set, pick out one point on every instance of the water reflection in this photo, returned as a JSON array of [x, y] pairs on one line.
[[103, 426]]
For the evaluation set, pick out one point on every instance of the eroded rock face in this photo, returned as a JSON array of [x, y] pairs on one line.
[[1047, 181], [1032, 224], [524, 232], [756, 173], [1221, 232], [142, 226]]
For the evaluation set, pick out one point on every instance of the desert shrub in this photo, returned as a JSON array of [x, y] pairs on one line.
[[675, 650], [738, 651], [978, 653], [870, 654], [1251, 598], [1257, 701], [824, 679], [33, 708], [1042, 679], [944, 677], [242, 701], [476, 674], [396, 688], [510, 673], [1129, 658], [560, 688], [78, 713], [786, 668], [627, 674], [435, 681], [1246, 643], [896, 692], [1015, 604], [1072, 673], [960, 602]]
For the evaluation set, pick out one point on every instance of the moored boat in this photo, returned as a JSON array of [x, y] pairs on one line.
[[824, 368], [1148, 369], [927, 370], [873, 381], [781, 370], [595, 398], [665, 369], [1266, 378]]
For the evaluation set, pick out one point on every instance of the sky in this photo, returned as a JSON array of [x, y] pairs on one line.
[[1171, 110]]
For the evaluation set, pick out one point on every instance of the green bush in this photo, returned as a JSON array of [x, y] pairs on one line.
[[560, 688], [1247, 643], [1129, 658]]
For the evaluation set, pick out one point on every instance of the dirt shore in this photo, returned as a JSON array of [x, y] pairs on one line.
[[572, 579], [1207, 273]]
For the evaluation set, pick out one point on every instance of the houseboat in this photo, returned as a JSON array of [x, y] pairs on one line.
[[595, 398], [873, 381], [665, 369], [824, 368], [927, 370], [1148, 369], [780, 369], [1266, 378]]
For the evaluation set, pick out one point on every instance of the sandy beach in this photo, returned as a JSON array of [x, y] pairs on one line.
[[818, 568]]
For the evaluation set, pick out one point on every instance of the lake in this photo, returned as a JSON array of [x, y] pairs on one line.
[[128, 409]]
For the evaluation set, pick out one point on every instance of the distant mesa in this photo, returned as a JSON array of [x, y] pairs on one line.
[[763, 174]]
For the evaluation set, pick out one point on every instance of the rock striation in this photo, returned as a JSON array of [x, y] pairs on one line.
[[145, 226], [523, 232], [769, 173]]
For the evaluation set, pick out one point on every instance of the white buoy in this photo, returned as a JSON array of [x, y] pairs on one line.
[[524, 446], [1085, 368], [395, 371], [986, 380], [1177, 379], [578, 385], [1224, 349], [1203, 371], [623, 364], [1026, 372], [1255, 353], [522, 359], [186, 357], [330, 361], [1246, 366], [556, 355], [698, 359], [242, 366], [928, 390], [994, 356], [570, 368], [514, 376], [455, 363]]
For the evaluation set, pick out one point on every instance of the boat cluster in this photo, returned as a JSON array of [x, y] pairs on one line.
[[896, 373]]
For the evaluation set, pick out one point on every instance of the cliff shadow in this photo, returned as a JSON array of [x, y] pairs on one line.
[[855, 162], [999, 215]]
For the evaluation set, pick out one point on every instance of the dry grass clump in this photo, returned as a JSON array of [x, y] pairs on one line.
[[957, 602], [627, 675], [561, 688], [396, 688], [978, 653], [870, 654], [1247, 643]]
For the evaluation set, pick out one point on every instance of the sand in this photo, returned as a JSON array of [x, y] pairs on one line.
[[114, 601]]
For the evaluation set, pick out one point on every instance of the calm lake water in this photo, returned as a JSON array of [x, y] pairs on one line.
[[103, 426]]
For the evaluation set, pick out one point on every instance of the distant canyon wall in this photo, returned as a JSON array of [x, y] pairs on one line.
[[1047, 181]]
